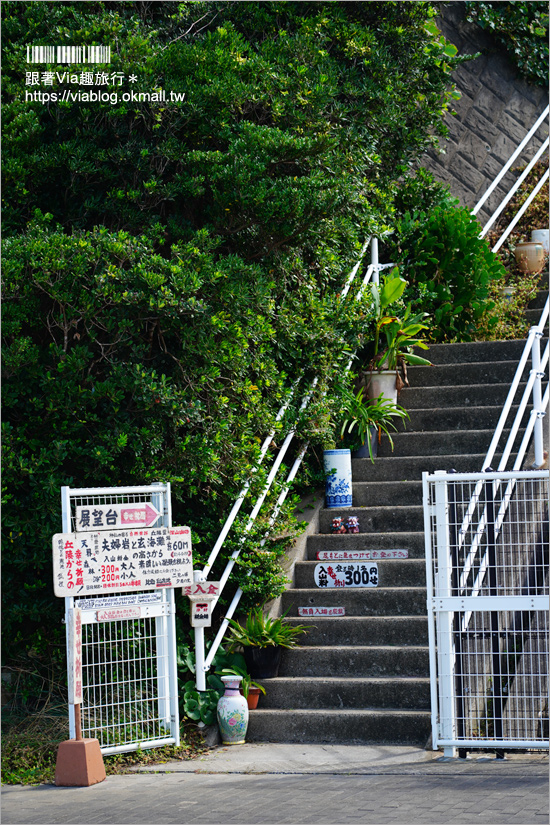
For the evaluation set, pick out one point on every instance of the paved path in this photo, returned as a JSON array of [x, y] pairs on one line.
[[258, 784]]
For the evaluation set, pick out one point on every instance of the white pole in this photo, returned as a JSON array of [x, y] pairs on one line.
[[374, 259], [200, 670], [537, 400]]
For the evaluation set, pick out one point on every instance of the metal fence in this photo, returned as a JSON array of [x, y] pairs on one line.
[[487, 575], [129, 678]]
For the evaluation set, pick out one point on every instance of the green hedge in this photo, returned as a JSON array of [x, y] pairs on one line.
[[170, 268]]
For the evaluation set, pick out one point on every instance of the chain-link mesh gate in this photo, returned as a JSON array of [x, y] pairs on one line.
[[129, 678], [487, 572]]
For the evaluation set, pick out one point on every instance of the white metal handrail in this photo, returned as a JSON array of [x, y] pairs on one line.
[[204, 662]]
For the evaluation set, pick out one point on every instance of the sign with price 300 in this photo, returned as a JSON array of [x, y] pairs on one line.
[[350, 574]]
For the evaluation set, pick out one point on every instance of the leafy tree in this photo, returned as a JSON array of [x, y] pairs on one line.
[[171, 265]]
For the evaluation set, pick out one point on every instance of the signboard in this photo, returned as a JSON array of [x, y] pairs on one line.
[[119, 601], [86, 564], [201, 595], [356, 555], [351, 574], [115, 516], [113, 614], [321, 611], [74, 654]]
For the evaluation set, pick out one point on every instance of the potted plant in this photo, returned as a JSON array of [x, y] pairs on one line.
[[250, 690], [400, 334], [262, 639], [367, 420]]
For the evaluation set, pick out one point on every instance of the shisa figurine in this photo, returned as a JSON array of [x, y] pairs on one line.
[[352, 524], [338, 526]]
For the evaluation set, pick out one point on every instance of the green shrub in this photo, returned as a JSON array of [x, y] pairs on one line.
[[449, 269], [522, 28]]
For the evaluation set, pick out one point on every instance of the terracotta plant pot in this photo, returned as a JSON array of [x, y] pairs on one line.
[[529, 256], [252, 698]]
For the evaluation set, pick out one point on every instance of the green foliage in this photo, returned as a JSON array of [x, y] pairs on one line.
[[400, 331], [170, 269], [362, 417], [261, 630], [522, 28], [246, 679], [449, 269]]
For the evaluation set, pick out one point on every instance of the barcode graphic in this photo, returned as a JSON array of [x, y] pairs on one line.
[[68, 54]]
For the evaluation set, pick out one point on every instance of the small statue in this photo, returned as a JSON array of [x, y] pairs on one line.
[[337, 526], [352, 524]]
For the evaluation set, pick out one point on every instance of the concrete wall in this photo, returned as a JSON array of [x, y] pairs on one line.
[[496, 111]]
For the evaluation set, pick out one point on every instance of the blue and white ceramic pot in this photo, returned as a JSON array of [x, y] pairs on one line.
[[232, 712], [338, 478]]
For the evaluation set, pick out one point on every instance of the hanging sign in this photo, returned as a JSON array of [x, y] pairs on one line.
[[356, 555], [74, 656], [115, 516], [352, 574], [321, 611], [87, 564], [201, 595]]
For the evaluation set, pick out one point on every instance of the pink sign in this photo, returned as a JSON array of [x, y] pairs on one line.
[[358, 555], [115, 613], [321, 611]]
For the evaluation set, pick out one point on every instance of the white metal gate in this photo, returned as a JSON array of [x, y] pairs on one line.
[[487, 577], [129, 678]]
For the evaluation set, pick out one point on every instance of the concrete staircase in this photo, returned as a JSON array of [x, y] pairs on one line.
[[363, 678]]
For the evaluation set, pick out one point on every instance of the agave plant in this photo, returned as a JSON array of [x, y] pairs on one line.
[[261, 630]]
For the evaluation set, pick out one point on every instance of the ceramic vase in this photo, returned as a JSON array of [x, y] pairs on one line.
[[337, 465], [232, 712], [529, 256], [542, 236]]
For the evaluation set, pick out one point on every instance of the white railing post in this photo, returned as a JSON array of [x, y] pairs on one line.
[[374, 259], [537, 399], [444, 619]]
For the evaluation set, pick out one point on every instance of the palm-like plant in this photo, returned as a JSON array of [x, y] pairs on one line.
[[363, 415], [261, 630]]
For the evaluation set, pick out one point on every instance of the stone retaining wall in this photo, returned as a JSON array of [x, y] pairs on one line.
[[496, 111]]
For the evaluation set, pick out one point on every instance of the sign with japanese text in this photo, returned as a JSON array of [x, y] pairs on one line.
[[86, 564], [321, 611], [115, 516], [351, 574], [113, 614], [74, 653], [128, 600], [357, 555], [201, 595]]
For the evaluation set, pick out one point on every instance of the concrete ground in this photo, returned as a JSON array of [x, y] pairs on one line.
[[268, 784]]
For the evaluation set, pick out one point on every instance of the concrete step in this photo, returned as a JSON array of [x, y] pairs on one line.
[[351, 727], [471, 395], [533, 315], [412, 542], [539, 300], [438, 443], [343, 694], [376, 519], [475, 352], [391, 572], [496, 372], [371, 494], [451, 418], [361, 630], [370, 601], [357, 661], [410, 468]]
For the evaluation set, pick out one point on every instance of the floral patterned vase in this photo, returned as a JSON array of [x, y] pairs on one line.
[[232, 712], [338, 478]]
